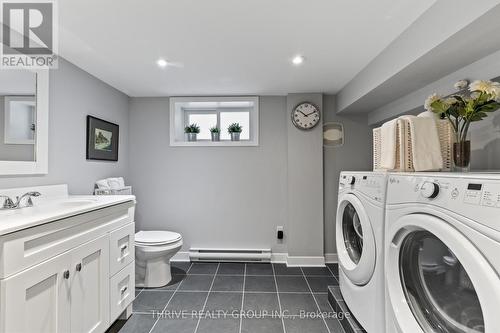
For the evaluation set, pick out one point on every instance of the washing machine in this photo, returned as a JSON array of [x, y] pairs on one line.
[[442, 253], [360, 233]]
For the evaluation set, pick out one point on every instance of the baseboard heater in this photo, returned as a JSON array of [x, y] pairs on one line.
[[243, 255]]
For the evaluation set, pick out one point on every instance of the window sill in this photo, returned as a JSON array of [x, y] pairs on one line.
[[243, 143]]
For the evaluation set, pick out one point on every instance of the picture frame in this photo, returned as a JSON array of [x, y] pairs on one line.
[[102, 139]]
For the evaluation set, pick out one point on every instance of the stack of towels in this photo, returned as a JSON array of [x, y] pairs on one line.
[[110, 183], [425, 144]]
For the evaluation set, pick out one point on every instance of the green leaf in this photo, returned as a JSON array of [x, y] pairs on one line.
[[489, 107], [439, 106], [460, 99]]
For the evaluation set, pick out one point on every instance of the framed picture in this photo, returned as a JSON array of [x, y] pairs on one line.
[[102, 139]]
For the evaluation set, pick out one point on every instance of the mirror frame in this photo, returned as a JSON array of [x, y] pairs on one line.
[[41, 164]]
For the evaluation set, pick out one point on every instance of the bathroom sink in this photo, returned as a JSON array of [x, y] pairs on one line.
[[75, 203], [6, 213]]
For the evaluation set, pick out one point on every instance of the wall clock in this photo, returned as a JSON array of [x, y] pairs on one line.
[[305, 116]]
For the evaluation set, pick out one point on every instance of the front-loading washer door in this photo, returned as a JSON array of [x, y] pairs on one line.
[[437, 279], [355, 240]]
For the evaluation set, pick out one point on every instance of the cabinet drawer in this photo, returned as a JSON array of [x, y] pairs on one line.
[[32, 246], [121, 290], [121, 246]]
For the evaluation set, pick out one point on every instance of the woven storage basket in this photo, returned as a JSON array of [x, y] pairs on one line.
[[127, 190], [404, 158]]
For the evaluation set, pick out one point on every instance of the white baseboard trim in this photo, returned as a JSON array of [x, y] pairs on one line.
[[293, 261], [331, 258], [279, 258], [181, 256]]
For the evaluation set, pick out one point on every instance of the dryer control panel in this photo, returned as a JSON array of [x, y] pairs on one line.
[[476, 196], [372, 185]]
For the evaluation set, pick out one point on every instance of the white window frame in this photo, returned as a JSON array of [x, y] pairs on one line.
[[179, 118]]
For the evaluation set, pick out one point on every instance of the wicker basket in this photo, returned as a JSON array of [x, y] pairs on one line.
[[127, 190], [404, 159]]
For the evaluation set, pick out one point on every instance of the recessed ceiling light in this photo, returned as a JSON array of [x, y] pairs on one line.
[[298, 60], [162, 63]]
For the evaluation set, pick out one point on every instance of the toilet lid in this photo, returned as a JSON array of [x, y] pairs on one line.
[[157, 237]]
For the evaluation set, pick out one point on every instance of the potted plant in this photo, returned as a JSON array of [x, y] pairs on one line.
[[192, 130], [235, 131], [461, 110], [215, 132]]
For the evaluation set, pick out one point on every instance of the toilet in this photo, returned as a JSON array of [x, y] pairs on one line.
[[153, 251]]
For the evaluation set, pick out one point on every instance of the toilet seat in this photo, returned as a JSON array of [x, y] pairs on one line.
[[156, 238], [153, 251]]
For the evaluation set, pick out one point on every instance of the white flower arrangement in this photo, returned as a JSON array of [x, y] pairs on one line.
[[431, 99], [487, 87], [462, 109], [460, 85]]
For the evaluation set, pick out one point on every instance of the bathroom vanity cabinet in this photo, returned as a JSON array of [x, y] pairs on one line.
[[72, 274]]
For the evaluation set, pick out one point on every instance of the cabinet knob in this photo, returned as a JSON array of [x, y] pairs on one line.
[[78, 267], [123, 289], [66, 274], [123, 247]]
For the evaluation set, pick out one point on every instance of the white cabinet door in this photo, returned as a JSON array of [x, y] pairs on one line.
[[37, 299], [90, 287]]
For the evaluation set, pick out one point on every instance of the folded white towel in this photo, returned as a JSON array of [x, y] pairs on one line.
[[426, 148], [388, 145], [116, 183], [102, 184], [429, 114]]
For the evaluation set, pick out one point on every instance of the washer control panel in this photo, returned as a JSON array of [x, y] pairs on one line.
[[476, 196], [372, 185]]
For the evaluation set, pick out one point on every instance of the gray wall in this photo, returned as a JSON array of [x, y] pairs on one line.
[[73, 95], [484, 68], [236, 197], [354, 155], [214, 196], [305, 183], [485, 143], [485, 135]]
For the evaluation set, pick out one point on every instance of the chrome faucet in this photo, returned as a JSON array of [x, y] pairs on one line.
[[9, 204]]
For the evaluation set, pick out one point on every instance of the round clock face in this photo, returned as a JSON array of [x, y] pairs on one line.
[[305, 116]]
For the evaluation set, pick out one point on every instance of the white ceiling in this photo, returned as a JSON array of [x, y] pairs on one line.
[[228, 46]]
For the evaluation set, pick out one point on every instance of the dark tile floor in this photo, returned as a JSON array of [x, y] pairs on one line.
[[237, 297]]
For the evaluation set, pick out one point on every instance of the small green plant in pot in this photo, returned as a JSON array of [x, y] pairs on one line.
[[215, 132], [462, 109], [192, 131], [235, 130]]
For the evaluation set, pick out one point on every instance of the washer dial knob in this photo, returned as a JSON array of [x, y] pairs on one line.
[[429, 190], [351, 180]]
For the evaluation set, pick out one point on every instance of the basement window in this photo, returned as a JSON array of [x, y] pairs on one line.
[[220, 112]]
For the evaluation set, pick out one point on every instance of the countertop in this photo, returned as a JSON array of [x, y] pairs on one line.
[[55, 209]]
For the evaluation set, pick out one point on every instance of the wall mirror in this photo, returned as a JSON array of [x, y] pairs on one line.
[[24, 122]]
